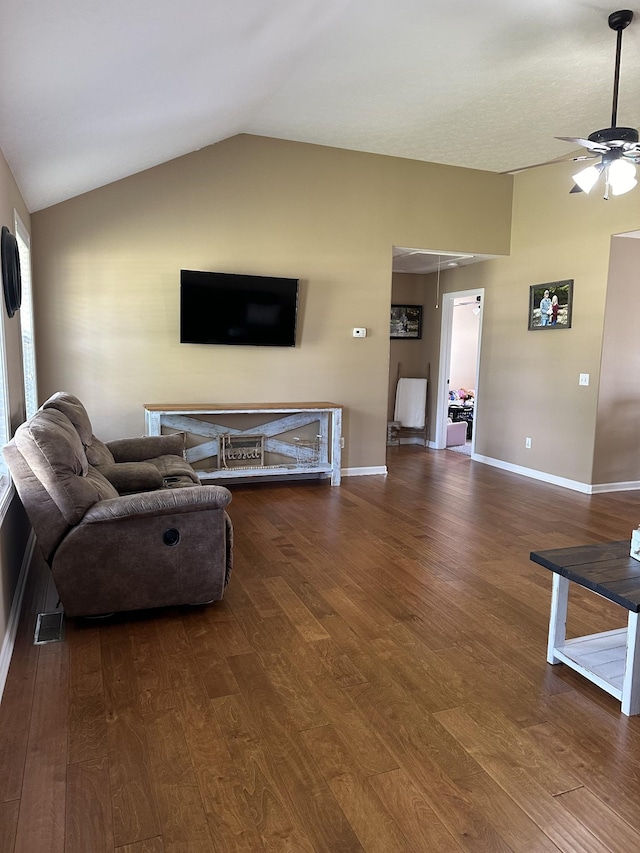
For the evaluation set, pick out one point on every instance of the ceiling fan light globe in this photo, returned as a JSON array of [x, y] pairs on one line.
[[622, 187], [621, 170], [622, 176], [587, 178]]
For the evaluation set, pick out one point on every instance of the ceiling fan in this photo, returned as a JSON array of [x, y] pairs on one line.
[[617, 148]]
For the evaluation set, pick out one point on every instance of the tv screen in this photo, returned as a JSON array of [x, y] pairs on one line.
[[227, 308]]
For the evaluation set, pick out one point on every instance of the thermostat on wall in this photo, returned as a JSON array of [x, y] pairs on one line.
[[359, 333]]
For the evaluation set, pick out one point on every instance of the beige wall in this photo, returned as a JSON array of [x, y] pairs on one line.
[[617, 440], [14, 530], [107, 267], [529, 380]]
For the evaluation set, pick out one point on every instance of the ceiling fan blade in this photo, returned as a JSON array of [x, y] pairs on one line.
[[549, 163], [585, 143], [524, 168]]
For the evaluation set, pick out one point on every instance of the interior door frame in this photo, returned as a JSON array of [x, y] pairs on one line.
[[442, 390]]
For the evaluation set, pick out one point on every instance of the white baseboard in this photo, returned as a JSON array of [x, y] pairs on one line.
[[14, 614], [600, 488], [576, 486], [360, 472], [543, 476]]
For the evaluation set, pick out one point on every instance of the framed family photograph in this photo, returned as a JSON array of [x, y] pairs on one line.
[[550, 305], [406, 321]]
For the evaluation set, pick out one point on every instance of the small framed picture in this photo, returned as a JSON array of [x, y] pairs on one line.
[[550, 305], [406, 321]]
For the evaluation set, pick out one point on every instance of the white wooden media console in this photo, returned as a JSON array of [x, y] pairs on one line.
[[304, 439]]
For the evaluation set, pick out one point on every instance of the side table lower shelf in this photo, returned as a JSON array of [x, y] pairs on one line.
[[610, 659], [599, 657]]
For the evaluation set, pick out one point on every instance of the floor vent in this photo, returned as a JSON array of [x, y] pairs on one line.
[[49, 628]]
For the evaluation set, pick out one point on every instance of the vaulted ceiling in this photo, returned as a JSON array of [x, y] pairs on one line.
[[92, 92]]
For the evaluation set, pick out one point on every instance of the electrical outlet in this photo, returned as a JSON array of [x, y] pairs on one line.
[[342, 442], [583, 379], [527, 443]]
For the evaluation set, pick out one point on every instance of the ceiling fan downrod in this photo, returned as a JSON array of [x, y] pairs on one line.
[[614, 136], [618, 21]]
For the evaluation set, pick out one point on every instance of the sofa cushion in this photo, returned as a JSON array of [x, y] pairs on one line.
[[146, 447], [103, 488], [98, 453], [128, 477], [52, 448], [73, 409], [174, 466]]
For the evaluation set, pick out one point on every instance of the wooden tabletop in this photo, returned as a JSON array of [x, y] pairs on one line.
[[232, 407], [607, 569]]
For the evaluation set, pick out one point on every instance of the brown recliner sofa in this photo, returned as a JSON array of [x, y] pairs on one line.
[[130, 464], [124, 525]]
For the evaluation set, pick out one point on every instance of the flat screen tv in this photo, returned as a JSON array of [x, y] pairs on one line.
[[227, 308]]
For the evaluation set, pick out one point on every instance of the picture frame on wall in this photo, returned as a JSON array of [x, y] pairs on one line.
[[11, 279], [550, 305], [406, 322]]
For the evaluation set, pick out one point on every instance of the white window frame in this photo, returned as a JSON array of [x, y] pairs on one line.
[[6, 486], [27, 327]]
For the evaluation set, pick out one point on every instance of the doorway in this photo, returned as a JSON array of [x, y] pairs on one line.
[[459, 363]]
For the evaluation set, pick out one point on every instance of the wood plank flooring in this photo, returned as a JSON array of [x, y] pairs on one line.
[[374, 680]]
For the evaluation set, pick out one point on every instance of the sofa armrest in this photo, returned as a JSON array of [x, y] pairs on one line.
[[229, 547], [132, 476], [159, 502], [147, 447]]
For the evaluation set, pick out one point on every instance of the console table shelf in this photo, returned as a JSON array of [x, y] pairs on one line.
[[276, 423]]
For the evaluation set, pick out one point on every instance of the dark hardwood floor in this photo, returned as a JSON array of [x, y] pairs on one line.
[[374, 680]]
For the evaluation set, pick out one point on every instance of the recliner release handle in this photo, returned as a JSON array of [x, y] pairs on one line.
[[171, 536]]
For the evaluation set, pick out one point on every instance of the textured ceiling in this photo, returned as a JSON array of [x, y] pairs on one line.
[[92, 92]]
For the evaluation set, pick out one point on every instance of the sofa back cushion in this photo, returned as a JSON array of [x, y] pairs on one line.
[[51, 447], [97, 451], [74, 410]]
